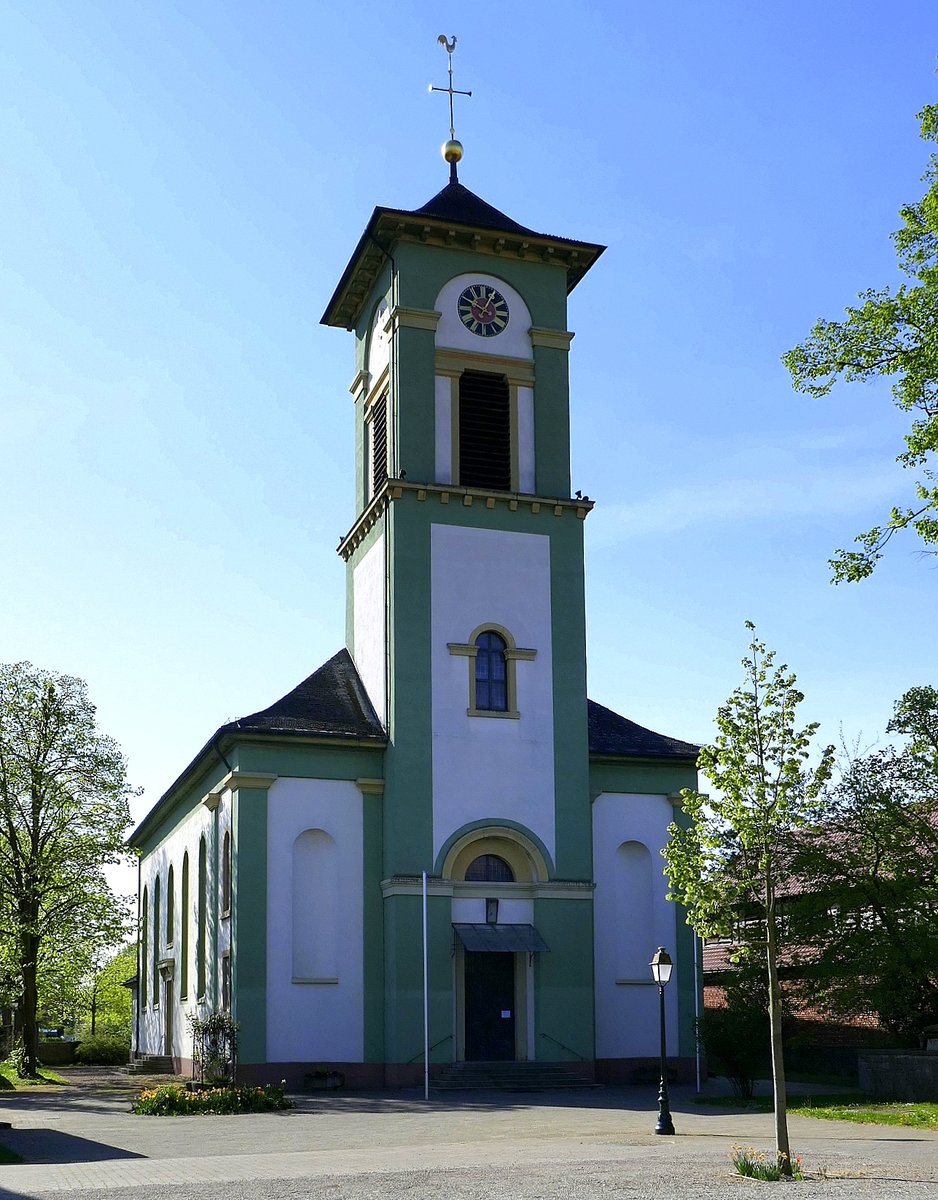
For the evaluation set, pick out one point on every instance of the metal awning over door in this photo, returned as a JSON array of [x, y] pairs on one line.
[[505, 939]]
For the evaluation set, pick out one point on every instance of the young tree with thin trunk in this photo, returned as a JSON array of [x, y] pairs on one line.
[[731, 859], [63, 817]]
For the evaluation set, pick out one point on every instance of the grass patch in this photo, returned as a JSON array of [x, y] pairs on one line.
[[923, 1115], [10, 1081], [844, 1106], [9, 1156]]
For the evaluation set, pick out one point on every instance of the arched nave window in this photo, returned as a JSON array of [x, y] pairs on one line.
[[144, 946], [156, 941], [200, 956], [226, 874], [170, 907], [184, 918]]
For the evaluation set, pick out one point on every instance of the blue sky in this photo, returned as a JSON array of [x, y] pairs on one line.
[[182, 186]]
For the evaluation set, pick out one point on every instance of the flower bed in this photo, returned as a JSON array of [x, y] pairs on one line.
[[174, 1099]]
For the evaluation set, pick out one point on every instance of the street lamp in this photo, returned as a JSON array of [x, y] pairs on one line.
[[661, 967]]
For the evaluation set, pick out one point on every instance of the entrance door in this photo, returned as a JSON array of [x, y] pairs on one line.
[[168, 1015], [490, 1007]]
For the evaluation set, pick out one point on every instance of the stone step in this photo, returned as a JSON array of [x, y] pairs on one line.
[[509, 1077], [151, 1064]]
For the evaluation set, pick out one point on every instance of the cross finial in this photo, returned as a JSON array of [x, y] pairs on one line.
[[452, 150]]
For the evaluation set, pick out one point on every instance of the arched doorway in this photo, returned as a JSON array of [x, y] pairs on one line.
[[495, 943]]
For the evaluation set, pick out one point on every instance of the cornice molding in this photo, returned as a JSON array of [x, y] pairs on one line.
[[519, 371], [554, 339], [413, 318], [236, 780], [370, 787], [359, 385], [444, 493], [458, 889]]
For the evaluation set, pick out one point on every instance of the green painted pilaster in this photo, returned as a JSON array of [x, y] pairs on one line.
[[414, 364], [249, 921], [404, 978], [564, 981], [408, 797], [572, 812], [552, 422]]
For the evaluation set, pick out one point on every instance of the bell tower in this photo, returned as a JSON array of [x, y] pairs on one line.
[[465, 571]]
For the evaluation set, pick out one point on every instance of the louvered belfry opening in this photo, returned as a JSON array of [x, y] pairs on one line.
[[484, 431], [379, 443]]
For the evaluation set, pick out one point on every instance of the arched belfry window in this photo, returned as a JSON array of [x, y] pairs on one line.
[[491, 673], [489, 868], [493, 658]]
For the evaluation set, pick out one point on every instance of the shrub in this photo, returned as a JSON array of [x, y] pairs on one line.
[[174, 1100], [104, 1051]]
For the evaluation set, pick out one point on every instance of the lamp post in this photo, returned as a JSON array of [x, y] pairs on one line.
[[661, 967]]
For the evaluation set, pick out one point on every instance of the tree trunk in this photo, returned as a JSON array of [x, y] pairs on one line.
[[779, 1098], [30, 948], [94, 1004]]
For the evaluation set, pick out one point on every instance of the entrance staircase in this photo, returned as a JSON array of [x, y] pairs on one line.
[[150, 1064], [509, 1077]]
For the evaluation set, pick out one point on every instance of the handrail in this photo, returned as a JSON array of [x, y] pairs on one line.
[[419, 1053], [563, 1046]]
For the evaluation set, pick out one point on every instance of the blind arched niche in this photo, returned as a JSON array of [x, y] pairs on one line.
[[634, 914], [315, 908]]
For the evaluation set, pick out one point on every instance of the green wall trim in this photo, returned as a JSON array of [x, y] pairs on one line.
[[313, 762], [486, 824], [564, 981], [655, 778], [249, 922]]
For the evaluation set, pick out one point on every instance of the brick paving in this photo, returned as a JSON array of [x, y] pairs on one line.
[[83, 1139]]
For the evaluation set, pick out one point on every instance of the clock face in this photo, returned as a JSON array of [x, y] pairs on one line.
[[483, 310]]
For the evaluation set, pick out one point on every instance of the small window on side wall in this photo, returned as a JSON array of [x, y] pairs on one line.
[[491, 673], [493, 659]]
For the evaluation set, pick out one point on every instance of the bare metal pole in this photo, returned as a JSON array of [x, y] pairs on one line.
[[426, 999], [698, 947]]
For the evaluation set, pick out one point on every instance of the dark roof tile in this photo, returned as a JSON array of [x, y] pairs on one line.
[[610, 734], [332, 702]]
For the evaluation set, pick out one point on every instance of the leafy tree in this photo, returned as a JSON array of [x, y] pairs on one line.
[[63, 816], [731, 860], [891, 333], [107, 1001], [868, 914]]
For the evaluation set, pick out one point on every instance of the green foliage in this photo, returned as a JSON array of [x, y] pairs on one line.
[[103, 1051], [215, 1046], [63, 813], [731, 854], [868, 916], [755, 1164], [175, 1100], [891, 334], [726, 864], [736, 1038]]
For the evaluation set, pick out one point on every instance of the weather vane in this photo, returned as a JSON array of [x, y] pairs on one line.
[[452, 150]]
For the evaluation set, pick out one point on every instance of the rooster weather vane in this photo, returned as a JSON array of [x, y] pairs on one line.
[[452, 150]]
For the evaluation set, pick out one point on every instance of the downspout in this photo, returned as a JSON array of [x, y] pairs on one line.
[[141, 962]]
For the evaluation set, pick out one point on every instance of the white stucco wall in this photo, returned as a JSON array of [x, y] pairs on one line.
[[526, 475], [443, 472], [368, 629], [314, 1022], [627, 1012], [170, 852], [489, 767], [515, 339], [379, 343]]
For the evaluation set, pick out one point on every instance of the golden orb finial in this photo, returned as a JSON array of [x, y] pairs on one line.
[[452, 150]]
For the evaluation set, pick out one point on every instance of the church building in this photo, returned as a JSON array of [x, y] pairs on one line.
[[281, 875]]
